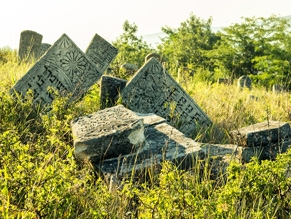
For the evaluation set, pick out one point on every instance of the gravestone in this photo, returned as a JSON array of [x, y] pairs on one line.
[[244, 82], [223, 81], [277, 88], [65, 68], [153, 90], [153, 54], [261, 134], [107, 133], [29, 45], [110, 89], [101, 52], [44, 48]]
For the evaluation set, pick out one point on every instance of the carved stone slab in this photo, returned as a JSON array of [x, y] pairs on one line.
[[110, 89], [29, 45], [101, 52], [64, 67], [108, 133], [153, 90], [261, 134], [163, 142]]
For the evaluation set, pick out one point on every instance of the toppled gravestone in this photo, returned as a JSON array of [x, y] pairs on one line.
[[101, 52], [65, 68], [140, 140], [29, 45], [108, 133], [110, 89], [264, 140], [153, 90]]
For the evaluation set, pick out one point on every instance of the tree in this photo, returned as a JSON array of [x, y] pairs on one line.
[[257, 46], [187, 46], [131, 49]]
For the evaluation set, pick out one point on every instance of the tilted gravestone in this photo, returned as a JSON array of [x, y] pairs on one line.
[[64, 67], [107, 133], [153, 90], [29, 45], [101, 52], [244, 82], [110, 89]]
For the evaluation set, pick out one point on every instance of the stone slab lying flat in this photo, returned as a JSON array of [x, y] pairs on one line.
[[108, 133], [163, 142], [101, 52], [261, 134], [153, 90], [65, 68]]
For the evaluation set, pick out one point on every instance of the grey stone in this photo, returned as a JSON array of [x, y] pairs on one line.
[[29, 45], [44, 48], [244, 82], [153, 54], [163, 142], [153, 90], [108, 133], [110, 89], [261, 134], [101, 52], [65, 68], [129, 66], [223, 81], [277, 88]]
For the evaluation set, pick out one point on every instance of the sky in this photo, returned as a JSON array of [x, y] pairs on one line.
[[81, 19]]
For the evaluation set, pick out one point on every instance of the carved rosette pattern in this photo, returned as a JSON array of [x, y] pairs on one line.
[[64, 67]]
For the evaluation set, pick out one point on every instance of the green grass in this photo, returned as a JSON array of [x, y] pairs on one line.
[[40, 178]]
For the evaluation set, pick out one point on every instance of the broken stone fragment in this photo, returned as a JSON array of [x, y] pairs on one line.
[[261, 134], [106, 134], [163, 142]]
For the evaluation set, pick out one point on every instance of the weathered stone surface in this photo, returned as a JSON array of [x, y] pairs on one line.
[[163, 142], [244, 82], [261, 134], [44, 48], [111, 87], [108, 133], [64, 67], [277, 88], [129, 66], [153, 90], [29, 45], [223, 81], [101, 52]]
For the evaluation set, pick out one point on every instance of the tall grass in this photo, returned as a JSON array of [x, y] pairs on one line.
[[40, 178]]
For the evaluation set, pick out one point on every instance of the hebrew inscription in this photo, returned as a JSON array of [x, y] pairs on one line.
[[101, 52], [64, 67], [153, 90]]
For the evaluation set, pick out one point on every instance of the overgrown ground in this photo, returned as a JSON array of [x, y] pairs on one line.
[[40, 178]]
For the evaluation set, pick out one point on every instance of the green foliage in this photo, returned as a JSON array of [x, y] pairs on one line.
[[131, 49], [40, 177], [189, 44], [257, 45]]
